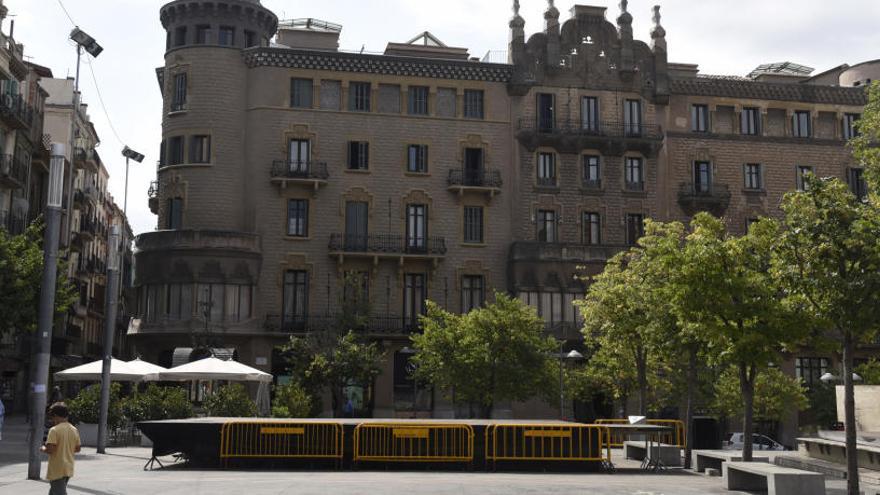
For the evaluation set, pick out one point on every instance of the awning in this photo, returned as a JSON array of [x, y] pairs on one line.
[[215, 369], [120, 371]]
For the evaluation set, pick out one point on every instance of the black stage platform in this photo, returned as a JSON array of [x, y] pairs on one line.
[[359, 442]]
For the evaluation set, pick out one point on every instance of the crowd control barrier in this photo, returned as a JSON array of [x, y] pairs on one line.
[[425, 442], [280, 440], [550, 442], [617, 437]]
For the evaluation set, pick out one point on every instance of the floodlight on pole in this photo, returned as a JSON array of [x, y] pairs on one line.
[[46, 315], [87, 42]]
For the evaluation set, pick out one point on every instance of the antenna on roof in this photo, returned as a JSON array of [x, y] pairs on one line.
[[362, 48]]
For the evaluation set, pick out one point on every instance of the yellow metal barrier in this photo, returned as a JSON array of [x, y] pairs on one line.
[[280, 440], [425, 442], [675, 437], [550, 442], [617, 437]]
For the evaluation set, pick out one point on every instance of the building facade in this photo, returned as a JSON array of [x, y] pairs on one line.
[[288, 167]]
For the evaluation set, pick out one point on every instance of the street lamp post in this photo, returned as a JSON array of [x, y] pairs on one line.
[[572, 355], [109, 330], [46, 317]]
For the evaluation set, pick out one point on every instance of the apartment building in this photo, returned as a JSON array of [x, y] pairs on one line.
[[287, 165]]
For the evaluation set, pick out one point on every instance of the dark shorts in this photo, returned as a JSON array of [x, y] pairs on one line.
[[58, 487]]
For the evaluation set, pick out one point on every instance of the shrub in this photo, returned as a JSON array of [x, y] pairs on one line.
[[231, 401], [291, 401], [158, 403], [85, 407], [870, 372]]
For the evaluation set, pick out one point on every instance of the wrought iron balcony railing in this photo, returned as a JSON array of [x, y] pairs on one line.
[[371, 324], [474, 178], [296, 169], [388, 244], [611, 129]]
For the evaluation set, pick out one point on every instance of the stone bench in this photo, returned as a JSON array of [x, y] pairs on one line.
[[669, 455], [702, 459], [775, 480]]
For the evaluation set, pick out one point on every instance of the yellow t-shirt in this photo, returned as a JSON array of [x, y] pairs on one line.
[[65, 437]]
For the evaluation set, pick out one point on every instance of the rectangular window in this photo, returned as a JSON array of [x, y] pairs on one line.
[[175, 213], [753, 176], [163, 154], [546, 112], [546, 226], [635, 228], [203, 34], [179, 302], [178, 99], [473, 224], [180, 36], [810, 369], [473, 166], [632, 118], [414, 295], [356, 225], [295, 298], [702, 177], [416, 228], [226, 36], [175, 150], [800, 124], [802, 172], [592, 229], [546, 169], [359, 96], [700, 118], [200, 149], [849, 125], [358, 155], [298, 217], [473, 104], [633, 174], [301, 93], [472, 294], [298, 157], [590, 114], [417, 158], [857, 184], [250, 39], [750, 121], [418, 100], [238, 303], [592, 171]]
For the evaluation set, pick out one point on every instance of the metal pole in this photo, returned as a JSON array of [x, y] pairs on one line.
[[109, 331], [69, 206], [561, 390], [43, 338]]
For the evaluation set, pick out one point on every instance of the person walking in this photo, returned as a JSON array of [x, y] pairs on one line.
[[61, 444]]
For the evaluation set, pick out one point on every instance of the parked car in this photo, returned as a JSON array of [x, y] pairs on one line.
[[759, 442]]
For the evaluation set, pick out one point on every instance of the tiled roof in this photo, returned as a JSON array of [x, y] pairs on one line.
[[743, 88], [378, 64]]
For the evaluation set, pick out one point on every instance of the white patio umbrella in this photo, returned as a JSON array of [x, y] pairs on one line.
[[215, 369], [120, 371], [150, 370]]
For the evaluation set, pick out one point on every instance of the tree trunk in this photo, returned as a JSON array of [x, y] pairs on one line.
[[849, 406], [642, 372], [747, 387], [689, 413]]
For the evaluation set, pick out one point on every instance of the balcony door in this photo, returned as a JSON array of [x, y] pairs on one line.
[[702, 177], [473, 166], [546, 112], [356, 223], [590, 114], [416, 228], [632, 118], [298, 156], [414, 295]]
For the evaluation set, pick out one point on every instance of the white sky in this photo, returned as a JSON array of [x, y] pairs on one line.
[[722, 36]]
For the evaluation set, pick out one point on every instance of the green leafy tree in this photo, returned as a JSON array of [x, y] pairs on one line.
[[822, 399], [870, 372], [21, 271], [776, 395], [291, 401], [865, 149], [737, 304], [829, 259], [157, 403], [495, 353], [230, 401]]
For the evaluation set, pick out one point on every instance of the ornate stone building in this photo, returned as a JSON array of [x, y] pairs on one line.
[[288, 165]]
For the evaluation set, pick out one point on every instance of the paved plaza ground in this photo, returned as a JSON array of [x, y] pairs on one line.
[[121, 472]]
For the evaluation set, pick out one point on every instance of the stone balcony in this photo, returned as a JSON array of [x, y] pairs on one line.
[[608, 137], [694, 198]]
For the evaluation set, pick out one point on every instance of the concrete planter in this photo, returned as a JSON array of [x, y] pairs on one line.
[[88, 434]]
